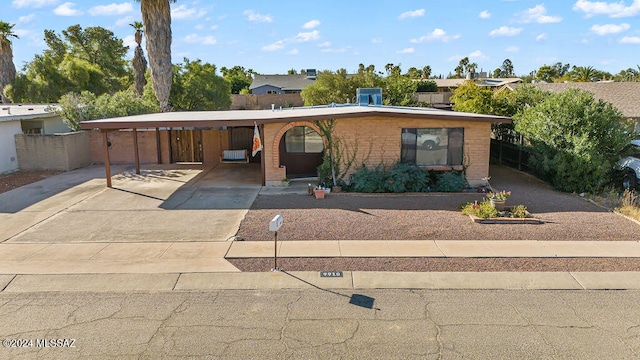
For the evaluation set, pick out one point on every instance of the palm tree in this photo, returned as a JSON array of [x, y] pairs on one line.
[[139, 62], [7, 68], [583, 73], [156, 16]]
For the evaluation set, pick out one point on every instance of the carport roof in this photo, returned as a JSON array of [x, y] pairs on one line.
[[206, 119]]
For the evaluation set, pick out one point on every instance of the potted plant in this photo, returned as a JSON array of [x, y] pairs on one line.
[[498, 199], [319, 192]]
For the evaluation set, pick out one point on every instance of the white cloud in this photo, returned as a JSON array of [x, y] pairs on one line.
[[274, 47], [311, 24], [630, 40], [411, 14], [67, 9], [214, 27], [477, 55], [406, 51], [505, 31], [376, 40], [125, 21], [22, 33], [436, 35], [26, 19], [614, 10], [130, 41], [33, 3], [336, 51], [255, 17], [324, 44], [485, 15], [293, 52], [541, 37], [537, 14], [610, 28], [512, 49], [183, 12], [112, 9], [197, 39], [306, 36]]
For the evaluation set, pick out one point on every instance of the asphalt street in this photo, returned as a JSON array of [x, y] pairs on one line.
[[322, 324]]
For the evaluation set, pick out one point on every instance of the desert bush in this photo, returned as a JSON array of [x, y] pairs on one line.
[[450, 181], [483, 210]]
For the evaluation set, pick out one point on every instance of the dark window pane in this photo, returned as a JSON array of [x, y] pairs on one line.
[[408, 147], [312, 141], [294, 140], [432, 146], [456, 141]]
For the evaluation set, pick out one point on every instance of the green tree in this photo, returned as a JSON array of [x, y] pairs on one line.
[[397, 89], [583, 73], [575, 140], [238, 77], [7, 67], [139, 62], [156, 16], [198, 87], [91, 59], [76, 107], [329, 87], [469, 97]]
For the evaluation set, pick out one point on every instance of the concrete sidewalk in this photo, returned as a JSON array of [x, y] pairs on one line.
[[307, 280], [435, 248]]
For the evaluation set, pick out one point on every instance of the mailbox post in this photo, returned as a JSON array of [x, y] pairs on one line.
[[274, 225]]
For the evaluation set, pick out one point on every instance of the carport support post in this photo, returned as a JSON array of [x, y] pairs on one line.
[[107, 162], [135, 150]]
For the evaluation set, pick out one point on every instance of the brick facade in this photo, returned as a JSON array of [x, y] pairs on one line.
[[378, 141]]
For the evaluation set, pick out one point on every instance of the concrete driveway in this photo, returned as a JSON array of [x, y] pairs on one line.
[[162, 204]]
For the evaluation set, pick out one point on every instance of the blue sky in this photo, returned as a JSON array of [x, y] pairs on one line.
[[271, 37]]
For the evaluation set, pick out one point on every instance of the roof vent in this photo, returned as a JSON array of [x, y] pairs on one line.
[[369, 96]]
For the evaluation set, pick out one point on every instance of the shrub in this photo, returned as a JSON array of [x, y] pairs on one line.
[[368, 180], [397, 179], [519, 211], [576, 140], [406, 178], [483, 210], [450, 181]]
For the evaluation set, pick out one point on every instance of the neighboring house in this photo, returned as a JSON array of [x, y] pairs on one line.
[[282, 84], [625, 96], [446, 87], [293, 145], [23, 119]]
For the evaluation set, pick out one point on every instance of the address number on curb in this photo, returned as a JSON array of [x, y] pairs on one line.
[[331, 274]]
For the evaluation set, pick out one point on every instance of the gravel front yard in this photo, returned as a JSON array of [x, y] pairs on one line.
[[435, 216]]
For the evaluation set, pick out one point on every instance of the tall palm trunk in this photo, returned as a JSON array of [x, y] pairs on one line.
[[139, 69], [7, 68], [156, 15]]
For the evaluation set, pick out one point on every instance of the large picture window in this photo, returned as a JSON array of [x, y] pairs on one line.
[[432, 146], [303, 139]]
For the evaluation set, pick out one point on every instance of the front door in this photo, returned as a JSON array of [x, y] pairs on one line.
[[186, 146], [301, 151]]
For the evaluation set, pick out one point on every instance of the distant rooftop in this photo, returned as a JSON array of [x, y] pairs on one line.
[[9, 112], [623, 95]]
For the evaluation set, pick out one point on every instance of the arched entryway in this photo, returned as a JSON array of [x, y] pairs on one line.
[[301, 150]]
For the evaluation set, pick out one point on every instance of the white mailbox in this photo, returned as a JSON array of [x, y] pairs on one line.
[[276, 223]]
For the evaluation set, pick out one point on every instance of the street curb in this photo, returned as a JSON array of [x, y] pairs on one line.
[[277, 280]]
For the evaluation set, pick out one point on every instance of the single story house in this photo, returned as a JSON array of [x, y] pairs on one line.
[[293, 143], [625, 96], [282, 84], [24, 119]]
